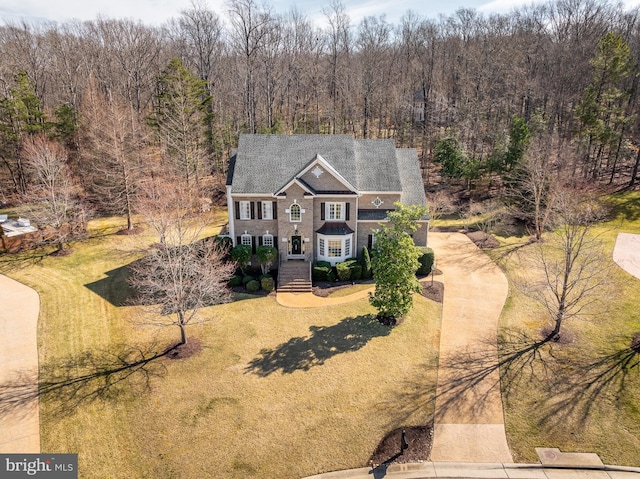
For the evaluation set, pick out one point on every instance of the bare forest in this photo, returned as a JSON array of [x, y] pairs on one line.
[[554, 84]]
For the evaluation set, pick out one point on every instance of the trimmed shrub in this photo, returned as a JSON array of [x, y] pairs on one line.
[[252, 286], [247, 279], [331, 276], [320, 273], [356, 271], [365, 262], [426, 260], [267, 283], [241, 254], [323, 264], [235, 281], [266, 256], [343, 270]]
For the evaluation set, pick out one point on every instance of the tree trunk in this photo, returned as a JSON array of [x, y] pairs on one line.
[[183, 332], [634, 173]]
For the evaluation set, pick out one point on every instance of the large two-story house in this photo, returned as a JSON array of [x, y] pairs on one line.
[[318, 197]]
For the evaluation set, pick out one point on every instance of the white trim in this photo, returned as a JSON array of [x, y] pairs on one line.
[[268, 235], [381, 193], [334, 195], [269, 205], [257, 196], [291, 220], [327, 211], [230, 206], [297, 182], [343, 240], [246, 211]]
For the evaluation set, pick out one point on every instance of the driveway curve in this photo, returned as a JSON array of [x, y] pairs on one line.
[[469, 419], [626, 253], [19, 308]]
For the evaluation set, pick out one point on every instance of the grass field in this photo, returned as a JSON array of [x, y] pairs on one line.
[[274, 392], [583, 396]]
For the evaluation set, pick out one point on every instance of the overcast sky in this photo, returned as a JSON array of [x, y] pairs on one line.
[[156, 12]]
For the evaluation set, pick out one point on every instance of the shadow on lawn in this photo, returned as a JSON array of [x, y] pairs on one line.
[[125, 371], [567, 384], [324, 342], [584, 381]]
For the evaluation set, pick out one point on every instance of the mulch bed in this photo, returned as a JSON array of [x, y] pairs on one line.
[[564, 337], [183, 351], [419, 438], [483, 240], [433, 292], [325, 288]]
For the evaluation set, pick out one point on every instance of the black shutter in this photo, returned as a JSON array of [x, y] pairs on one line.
[[275, 242], [253, 244], [274, 210], [237, 208], [259, 240], [369, 241], [253, 211], [347, 210], [322, 211], [259, 210], [238, 240]]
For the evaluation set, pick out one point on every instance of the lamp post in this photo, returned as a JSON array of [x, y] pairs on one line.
[[433, 269]]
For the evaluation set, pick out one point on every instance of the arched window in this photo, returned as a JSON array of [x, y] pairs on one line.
[[295, 213]]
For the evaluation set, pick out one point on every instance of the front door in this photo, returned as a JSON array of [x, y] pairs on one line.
[[296, 245]]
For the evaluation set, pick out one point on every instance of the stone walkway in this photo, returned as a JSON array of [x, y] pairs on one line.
[[19, 308], [469, 420]]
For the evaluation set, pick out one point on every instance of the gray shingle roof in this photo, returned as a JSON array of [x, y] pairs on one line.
[[411, 177], [265, 163], [377, 169]]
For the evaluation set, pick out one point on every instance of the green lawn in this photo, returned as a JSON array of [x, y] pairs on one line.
[[584, 396], [275, 392]]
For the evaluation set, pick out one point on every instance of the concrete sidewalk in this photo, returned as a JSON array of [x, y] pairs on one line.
[[483, 470], [469, 420], [20, 305]]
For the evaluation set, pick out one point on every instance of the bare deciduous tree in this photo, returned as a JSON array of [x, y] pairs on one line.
[[114, 143], [53, 192], [184, 273], [568, 276]]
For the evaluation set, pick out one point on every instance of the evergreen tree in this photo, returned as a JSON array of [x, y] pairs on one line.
[[180, 119], [395, 263], [601, 110], [21, 116]]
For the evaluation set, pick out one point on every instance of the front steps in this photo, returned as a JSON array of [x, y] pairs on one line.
[[294, 276]]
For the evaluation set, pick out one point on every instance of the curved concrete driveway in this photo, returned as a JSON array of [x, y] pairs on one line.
[[469, 420], [19, 307], [626, 253]]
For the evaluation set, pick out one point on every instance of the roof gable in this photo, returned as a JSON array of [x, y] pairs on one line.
[[311, 175]]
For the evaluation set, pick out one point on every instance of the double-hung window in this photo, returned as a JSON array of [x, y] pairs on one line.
[[335, 212], [334, 248], [295, 213], [267, 240], [245, 210], [267, 210], [246, 240]]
